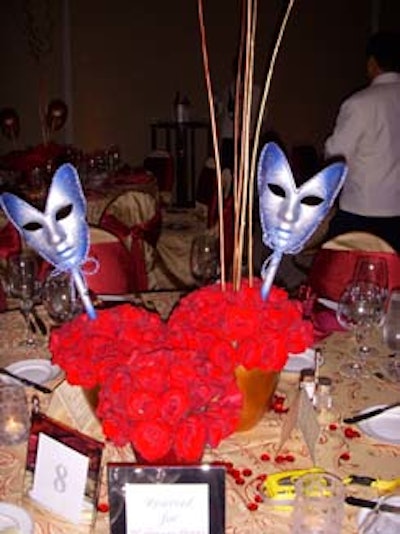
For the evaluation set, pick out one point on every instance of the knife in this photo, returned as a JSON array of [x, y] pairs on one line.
[[371, 413], [25, 381], [373, 505]]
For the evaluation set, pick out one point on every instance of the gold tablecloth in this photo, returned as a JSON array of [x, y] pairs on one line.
[[246, 451]]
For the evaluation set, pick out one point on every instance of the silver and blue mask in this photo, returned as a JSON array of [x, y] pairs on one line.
[[290, 215], [60, 233]]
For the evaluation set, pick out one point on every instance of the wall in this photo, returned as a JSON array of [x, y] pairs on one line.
[[129, 58]]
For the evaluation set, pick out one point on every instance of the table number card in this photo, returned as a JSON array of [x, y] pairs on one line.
[[62, 469], [302, 415], [166, 500]]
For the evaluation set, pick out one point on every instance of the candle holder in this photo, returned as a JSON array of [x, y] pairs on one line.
[[14, 414]]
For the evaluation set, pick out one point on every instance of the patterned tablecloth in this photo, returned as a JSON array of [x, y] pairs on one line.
[[251, 454]]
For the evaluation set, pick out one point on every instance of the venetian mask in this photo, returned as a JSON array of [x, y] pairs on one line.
[[60, 234], [289, 214]]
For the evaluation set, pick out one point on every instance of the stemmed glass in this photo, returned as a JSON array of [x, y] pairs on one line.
[[204, 258], [359, 308], [372, 269], [391, 334], [59, 298], [22, 284]]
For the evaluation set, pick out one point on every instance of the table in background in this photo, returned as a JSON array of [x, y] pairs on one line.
[[179, 227], [246, 451], [181, 141]]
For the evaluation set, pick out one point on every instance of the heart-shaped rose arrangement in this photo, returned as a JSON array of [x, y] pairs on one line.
[[172, 386]]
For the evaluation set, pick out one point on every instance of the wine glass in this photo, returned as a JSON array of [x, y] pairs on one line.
[[391, 334], [204, 258], [22, 284], [59, 298], [372, 269], [360, 307]]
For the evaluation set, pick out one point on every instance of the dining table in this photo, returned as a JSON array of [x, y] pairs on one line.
[[250, 456]]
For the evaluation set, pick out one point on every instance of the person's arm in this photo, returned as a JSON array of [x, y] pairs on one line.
[[348, 130]]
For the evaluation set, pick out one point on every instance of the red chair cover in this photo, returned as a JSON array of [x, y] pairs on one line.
[[148, 231], [332, 270], [114, 274], [10, 241]]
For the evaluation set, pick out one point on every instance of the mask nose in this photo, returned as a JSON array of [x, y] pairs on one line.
[[289, 212], [56, 235]]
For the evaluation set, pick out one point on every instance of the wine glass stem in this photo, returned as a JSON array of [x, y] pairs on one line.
[[26, 307]]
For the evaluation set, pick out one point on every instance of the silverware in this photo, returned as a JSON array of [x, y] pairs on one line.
[[373, 505], [372, 413], [25, 381]]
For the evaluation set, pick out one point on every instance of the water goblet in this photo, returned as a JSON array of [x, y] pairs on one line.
[[319, 504], [22, 284], [372, 269], [59, 298], [204, 258], [360, 307], [391, 335]]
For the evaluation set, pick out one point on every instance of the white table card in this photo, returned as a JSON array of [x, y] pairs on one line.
[[60, 478], [166, 499], [167, 508]]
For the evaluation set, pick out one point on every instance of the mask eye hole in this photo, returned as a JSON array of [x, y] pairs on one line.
[[311, 201], [63, 212], [32, 226], [277, 190]]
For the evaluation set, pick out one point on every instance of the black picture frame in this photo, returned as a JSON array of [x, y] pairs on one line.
[[120, 474]]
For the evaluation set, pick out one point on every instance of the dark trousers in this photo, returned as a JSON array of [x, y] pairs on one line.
[[387, 228]]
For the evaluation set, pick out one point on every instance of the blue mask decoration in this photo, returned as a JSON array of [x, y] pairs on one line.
[[60, 234], [290, 215]]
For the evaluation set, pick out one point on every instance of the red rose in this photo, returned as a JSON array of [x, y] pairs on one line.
[[190, 439], [152, 439], [174, 405]]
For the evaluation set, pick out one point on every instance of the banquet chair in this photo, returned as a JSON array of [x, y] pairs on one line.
[[161, 164], [111, 272], [135, 217], [10, 243], [207, 191], [334, 263]]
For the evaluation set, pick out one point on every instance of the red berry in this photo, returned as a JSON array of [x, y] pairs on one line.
[[103, 507], [247, 472], [252, 506], [265, 457]]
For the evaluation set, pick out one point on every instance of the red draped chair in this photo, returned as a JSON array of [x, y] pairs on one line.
[[334, 263], [135, 217], [333, 267], [10, 241], [113, 272]]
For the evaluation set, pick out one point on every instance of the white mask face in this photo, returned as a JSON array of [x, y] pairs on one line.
[[290, 215], [60, 234]]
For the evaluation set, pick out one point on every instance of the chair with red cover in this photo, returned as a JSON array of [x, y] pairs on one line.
[[135, 217], [333, 267], [112, 274], [10, 242]]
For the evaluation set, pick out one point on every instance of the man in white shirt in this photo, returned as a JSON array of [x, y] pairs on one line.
[[367, 135]]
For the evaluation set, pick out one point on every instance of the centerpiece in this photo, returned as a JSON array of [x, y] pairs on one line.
[[172, 388]]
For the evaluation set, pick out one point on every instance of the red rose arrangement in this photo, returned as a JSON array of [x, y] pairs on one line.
[[171, 387]]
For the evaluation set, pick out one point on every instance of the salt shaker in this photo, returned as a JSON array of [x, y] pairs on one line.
[[323, 402], [307, 382]]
